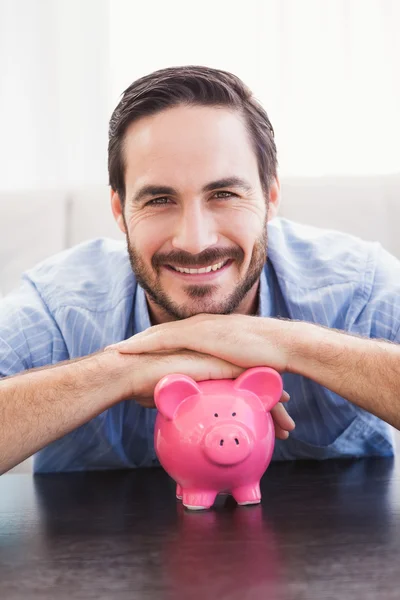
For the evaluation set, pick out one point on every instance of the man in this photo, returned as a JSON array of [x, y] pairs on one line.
[[212, 283]]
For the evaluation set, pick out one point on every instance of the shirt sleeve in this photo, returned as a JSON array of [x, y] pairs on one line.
[[380, 314], [29, 335]]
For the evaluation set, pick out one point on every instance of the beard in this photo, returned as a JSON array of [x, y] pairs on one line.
[[200, 296]]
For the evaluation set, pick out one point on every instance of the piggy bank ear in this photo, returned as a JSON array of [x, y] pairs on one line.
[[171, 390], [264, 382]]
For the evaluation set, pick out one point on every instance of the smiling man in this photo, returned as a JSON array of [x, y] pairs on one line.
[[211, 282], [194, 211]]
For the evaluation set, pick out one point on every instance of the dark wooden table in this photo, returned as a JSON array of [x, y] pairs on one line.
[[324, 530]]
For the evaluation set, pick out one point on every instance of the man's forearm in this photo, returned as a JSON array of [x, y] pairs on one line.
[[364, 371], [40, 406]]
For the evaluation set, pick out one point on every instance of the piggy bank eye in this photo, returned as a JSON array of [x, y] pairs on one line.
[[233, 414], [215, 414]]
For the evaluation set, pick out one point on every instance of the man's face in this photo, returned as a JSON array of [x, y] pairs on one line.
[[193, 201]]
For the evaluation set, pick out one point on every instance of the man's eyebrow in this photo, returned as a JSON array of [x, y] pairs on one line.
[[228, 182], [152, 190]]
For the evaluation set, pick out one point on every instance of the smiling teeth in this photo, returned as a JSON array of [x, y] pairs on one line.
[[202, 270]]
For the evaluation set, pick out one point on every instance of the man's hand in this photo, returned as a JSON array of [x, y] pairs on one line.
[[142, 372], [239, 339], [206, 347], [347, 364]]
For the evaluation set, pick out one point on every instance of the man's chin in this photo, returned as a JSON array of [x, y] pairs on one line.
[[177, 308], [183, 303], [190, 308]]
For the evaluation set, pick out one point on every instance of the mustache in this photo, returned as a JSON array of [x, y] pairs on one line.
[[207, 257]]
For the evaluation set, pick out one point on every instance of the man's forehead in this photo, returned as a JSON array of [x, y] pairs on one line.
[[187, 129], [174, 115], [181, 145]]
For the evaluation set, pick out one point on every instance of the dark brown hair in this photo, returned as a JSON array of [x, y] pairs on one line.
[[191, 85]]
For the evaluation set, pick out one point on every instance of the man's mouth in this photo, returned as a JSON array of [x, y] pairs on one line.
[[208, 269], [204, 271]]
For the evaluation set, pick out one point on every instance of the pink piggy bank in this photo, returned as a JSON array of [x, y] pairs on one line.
[[216, 436]]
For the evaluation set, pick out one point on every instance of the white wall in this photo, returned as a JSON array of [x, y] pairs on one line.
[[326, 71], [54, 85]]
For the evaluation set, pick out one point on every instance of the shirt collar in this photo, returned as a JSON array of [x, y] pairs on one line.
[[141, 320], [266, 304]]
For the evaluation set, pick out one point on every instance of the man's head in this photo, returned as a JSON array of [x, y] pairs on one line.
[[192, 168]]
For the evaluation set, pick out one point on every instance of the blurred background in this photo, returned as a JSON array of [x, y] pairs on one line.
[[327, 72]]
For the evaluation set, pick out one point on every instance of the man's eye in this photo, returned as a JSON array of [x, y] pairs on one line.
[[225, 195], [158, 201]]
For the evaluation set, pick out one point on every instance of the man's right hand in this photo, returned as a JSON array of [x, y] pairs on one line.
[[144, 371], [148, 369]]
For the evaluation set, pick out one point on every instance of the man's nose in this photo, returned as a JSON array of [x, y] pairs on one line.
[[195, 231]]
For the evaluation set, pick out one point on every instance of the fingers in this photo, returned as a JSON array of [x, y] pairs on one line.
[[283, 423], [285, 397], [203, 367], [282, 420], [280, 433], [233, 338], [148, 341], [199, 367]]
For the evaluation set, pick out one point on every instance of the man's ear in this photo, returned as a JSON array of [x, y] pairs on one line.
[[171, 391], [118, 211], [274, 197]]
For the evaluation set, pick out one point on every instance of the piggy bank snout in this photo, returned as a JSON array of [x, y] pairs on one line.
[[227, 444]]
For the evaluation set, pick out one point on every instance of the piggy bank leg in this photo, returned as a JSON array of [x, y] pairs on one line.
[[247, 494], [178, 491], [198, 499]]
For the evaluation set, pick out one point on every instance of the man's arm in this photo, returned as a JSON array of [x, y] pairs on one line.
[[41, 405], [364, 371]]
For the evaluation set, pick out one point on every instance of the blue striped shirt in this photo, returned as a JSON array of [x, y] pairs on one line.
[[78, 301]]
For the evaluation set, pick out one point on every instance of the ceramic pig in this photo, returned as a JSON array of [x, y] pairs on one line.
[[216, 436]]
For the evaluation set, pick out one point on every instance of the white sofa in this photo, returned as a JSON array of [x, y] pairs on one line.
[[34, 225]]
